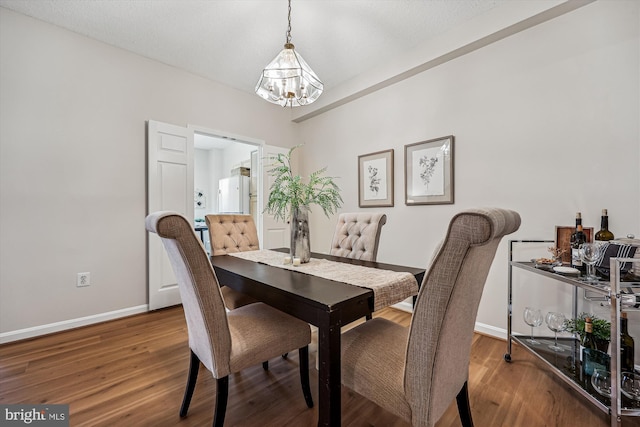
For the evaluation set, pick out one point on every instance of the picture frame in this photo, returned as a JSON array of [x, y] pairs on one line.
[[375, 179], [563, 239], [429, 172]]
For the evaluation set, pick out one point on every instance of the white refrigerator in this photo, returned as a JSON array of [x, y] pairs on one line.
[[233, 195]]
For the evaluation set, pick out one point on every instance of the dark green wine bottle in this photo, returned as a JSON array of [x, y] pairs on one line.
[[604, 234], [627, 361]]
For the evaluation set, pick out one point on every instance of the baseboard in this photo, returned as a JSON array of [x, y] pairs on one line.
[[35, 331], [491, 331], [404, 306]]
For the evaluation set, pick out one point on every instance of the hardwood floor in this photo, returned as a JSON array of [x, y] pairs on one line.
[[132, 372]]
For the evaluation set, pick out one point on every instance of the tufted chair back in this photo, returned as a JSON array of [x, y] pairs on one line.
[[357, 235], [232, 233]]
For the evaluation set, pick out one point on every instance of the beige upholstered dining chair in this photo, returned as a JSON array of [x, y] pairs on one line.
[[224, 343], [232, 233], [427, 364], [357, 235]]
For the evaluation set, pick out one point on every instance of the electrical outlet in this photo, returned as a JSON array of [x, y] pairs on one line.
[[84, 279]]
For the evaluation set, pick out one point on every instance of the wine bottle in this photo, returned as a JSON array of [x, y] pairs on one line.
[[627, 361], [604, 234], [588, 346], [588, 341], [592, 358], [577, 238]]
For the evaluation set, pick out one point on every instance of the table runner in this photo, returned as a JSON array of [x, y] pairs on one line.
[[389, 287]]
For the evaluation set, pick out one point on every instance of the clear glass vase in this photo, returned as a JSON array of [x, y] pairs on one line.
[[300, 244]]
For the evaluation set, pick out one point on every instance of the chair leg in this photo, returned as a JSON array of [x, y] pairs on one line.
[[304, 375], [222, 394], [194, 366], [265, 365], [464, 407]]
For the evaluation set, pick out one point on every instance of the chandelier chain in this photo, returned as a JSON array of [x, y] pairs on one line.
[[289, 27]]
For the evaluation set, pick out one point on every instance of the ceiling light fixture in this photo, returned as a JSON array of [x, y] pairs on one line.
[[288, 79]]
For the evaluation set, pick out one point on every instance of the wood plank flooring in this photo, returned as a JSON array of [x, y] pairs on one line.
[[132, 372]]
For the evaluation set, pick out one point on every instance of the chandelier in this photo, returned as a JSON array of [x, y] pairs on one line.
[[288, 79]]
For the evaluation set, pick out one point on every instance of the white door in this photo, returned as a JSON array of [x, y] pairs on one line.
[[169, 187], [275, 234]]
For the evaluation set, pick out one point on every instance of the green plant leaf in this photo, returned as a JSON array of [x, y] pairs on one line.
[[601, 327], [288, 191]]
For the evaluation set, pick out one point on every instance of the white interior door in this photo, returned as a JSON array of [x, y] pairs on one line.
[[275, 234], [169, 187]]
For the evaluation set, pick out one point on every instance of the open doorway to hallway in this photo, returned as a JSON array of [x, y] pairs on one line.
[[225, 179], [172, 177]]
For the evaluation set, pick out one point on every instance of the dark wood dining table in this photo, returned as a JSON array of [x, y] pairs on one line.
[[324, 303]]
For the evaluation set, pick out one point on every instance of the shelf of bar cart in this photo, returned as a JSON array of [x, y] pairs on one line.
[[566, 365]]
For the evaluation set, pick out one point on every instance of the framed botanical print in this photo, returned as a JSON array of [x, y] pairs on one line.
[[428, 172], [375, 179]]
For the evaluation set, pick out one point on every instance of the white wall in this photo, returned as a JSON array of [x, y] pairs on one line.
[[72, 165], [531, 115], [216, 174], [206, 173], [237, 155], [546, 122]]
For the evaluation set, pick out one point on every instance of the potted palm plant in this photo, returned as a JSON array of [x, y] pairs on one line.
[[290, 198]]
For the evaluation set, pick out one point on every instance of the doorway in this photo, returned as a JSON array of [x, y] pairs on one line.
[[172, 184], [225, 178], [243, 152]]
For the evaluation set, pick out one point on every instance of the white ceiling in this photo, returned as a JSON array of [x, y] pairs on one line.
[[230, 41]]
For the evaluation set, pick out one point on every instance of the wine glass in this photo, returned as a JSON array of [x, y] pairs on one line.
[[601, 382], [630, 385], [555, 322], [533, 318], [590, 253]]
